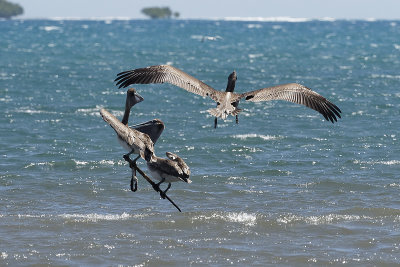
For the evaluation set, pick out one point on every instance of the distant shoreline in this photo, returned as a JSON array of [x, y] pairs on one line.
[[248, 19]]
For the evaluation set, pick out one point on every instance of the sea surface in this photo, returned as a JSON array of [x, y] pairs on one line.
[[282, 187]]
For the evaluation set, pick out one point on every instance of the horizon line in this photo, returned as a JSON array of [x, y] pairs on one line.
[[249, 19]]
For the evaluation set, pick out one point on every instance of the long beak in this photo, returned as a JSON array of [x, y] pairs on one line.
[[138, 98]]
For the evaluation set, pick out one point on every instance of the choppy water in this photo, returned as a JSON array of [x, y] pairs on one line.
[[281, 187]]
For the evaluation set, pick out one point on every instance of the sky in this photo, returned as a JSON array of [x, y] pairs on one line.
[[192, 9]]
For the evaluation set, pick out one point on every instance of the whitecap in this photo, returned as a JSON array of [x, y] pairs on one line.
[[254, 26], [235, 217], [255, 55], [320, 219], [95, 217], [77, 162], [93, 111], [33, 111], [50, 28], [263, 137], [267, 19], [381, 162], [106, 162], [39, 164]]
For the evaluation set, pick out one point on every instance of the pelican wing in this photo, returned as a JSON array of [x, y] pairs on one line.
[[152, 128], [299, 94], [181, 163], [166, 74]]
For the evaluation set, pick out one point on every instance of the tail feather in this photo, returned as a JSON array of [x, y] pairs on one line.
[[216, 112], [236, 111]]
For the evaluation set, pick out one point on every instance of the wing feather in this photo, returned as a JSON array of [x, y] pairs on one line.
[[165, 74], [296, 93]]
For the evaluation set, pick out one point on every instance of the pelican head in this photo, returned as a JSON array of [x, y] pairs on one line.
[[231, 82], [132, 97]]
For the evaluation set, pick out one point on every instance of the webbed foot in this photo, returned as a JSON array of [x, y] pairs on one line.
[[134, 182]]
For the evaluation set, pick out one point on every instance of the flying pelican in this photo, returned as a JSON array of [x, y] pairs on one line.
[[228, 101], [153, 128], [168, 170], [132, 140]]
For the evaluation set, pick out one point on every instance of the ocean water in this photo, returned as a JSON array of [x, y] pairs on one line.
[[282, 187]]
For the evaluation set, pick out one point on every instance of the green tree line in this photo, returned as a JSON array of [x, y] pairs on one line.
[[159, 12], [8, 10]]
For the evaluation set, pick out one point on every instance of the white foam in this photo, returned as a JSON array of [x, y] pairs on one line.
[[381, 162], [242, 217], [95, 217], [322, 219], [39, 164], [254, 26], [255, 55], [50, 28], [106, 162], [235, 217], [33, 111], [105, 19], [263, 137], [77, 162], [95, 111], [267, 19]]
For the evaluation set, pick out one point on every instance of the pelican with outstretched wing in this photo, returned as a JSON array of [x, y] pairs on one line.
[[227, 102]]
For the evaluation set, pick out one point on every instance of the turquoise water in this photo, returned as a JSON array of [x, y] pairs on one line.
[[283, 186]]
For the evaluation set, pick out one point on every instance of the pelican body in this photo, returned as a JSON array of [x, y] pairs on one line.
[[172, 169], [143, 132], [227, 102], [132, 140]]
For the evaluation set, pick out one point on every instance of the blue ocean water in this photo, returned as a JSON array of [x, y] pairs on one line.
[[283, 186]]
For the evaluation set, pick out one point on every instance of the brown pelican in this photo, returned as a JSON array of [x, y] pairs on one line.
[[153, 128], [132, 140], [168, 170], [228, 101]]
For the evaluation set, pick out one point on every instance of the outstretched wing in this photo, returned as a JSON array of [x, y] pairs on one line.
[[299, 94], [166, 74]]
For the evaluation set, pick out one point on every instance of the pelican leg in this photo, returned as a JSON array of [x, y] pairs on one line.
[[237, 119], [134, 181], [163, 193], [133, 166], [128, 155], [157, 185], [215, 123]]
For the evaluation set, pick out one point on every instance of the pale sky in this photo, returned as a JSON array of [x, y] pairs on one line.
[[338, 9]]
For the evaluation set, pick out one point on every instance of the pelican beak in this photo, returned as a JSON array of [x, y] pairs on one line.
[[138, 98]]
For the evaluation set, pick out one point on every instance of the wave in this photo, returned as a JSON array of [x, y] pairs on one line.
[[247, 219], [79, 217], [261, 136], [105, 19], [267, 19], [321, 219], [51, 28], [94, 217], [379, 162]]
